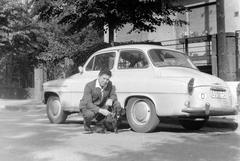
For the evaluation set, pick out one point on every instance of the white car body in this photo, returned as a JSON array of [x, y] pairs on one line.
[[173, 90]]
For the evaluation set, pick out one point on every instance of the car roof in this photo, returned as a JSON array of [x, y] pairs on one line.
[[135, 46]]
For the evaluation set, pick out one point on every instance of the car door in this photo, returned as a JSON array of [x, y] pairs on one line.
[[132, 73], [90, 72]]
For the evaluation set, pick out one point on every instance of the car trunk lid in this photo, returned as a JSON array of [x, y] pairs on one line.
[[200, 78]]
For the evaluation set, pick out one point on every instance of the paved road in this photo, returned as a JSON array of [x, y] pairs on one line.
[[28, 136]]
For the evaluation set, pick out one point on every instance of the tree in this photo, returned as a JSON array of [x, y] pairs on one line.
[[19, 38], [113, 14], [65, 50], [19, 32]]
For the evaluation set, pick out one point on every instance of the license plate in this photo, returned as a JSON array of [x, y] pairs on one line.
[[218, 94]]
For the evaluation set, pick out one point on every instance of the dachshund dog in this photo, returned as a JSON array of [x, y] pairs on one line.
[[110, 122], [117, 115]]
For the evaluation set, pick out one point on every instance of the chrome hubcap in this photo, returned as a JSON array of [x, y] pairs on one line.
[[55, 108], [141, 112]]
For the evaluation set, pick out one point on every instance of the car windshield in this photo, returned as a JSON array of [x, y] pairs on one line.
[[163, 58]]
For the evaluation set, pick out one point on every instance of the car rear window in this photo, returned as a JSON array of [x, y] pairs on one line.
[[161, 58]]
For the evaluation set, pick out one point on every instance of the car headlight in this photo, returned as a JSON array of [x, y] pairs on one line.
[[190, 86]]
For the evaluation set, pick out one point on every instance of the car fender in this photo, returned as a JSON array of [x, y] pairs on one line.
[[163, 100], [235, 91]]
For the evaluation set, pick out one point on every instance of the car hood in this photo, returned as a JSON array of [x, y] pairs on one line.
[[200, 78], [57, 82]]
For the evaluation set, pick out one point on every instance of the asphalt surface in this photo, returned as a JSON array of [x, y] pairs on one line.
[[24, 124], [232, 122], [28, 135]]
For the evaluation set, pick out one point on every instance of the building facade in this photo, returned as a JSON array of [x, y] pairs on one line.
[[202, 20], [196, 39]]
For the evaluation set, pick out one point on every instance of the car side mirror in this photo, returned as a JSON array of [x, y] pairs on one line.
[[80, 69]]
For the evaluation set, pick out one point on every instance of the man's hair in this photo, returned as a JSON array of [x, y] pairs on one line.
[[105, 71]]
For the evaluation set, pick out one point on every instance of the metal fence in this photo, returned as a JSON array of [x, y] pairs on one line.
[[237, 33], [237, 40], [199, 49], [16, 78]]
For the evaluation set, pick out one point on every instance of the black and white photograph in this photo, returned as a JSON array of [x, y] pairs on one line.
[[114, 80]]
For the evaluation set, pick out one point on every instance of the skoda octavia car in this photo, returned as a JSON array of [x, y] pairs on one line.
[[151, 82]]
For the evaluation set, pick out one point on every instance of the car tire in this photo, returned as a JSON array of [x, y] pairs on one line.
[[141, 115], [193, 124], [54, 110]]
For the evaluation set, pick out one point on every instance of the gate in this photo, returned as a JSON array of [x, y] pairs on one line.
[[16, 77], [237, 40]]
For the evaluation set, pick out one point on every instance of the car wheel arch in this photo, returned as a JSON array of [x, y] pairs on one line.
[[138, 96], [48, 94]]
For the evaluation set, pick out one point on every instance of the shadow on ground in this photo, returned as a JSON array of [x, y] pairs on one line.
[[172, 125]]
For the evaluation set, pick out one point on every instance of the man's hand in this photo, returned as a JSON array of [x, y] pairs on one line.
[[104, 112], [109, 102]]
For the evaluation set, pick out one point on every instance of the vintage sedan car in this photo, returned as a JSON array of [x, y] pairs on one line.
[[151, 82]]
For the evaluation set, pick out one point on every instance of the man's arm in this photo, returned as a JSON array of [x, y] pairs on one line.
[[87, 100], [113, 94]]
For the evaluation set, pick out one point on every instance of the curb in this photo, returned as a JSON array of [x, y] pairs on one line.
[[25, 107]]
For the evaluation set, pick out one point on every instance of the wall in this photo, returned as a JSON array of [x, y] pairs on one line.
[[226, 66], [162, 33], [232, 15], [202, 21], [122, 36]]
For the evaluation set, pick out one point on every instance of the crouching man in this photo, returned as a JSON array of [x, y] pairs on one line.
[[98, 95]]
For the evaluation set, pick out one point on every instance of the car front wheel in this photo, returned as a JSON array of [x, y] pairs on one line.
[[141, 115], [54, 110], [193, 123]]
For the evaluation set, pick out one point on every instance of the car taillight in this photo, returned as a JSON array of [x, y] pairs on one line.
[[190, 86]]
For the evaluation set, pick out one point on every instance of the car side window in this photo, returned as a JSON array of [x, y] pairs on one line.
[[100, 61], [132, 59]]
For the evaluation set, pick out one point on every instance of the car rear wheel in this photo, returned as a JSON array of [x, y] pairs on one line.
[[54, 110], [141, 115], [193, 123]]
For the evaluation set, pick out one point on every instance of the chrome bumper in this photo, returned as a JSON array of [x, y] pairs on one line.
[[207, 111]]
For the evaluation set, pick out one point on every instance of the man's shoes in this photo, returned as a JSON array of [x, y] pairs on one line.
[[87, 127]]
